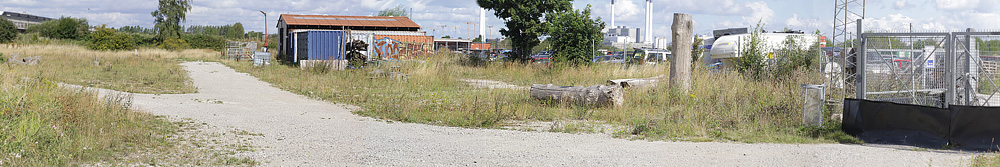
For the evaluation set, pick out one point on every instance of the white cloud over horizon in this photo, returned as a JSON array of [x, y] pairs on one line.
[[930, 15]]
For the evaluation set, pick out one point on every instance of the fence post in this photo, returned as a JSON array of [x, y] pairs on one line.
[[859, 64], [949, 69], [969, 95]]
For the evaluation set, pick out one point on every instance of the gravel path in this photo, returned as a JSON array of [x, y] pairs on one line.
[[298, 131]]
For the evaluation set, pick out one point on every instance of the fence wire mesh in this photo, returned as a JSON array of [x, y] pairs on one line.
[[905, 68], [931, 69]]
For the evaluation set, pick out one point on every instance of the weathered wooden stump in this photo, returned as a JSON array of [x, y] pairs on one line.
[[597, 95]]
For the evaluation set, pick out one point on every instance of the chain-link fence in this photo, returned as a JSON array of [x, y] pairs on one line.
[[930, 69]]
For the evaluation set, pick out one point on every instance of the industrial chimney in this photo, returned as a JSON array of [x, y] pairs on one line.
[[648, 36], [482, 23], [612, 13]]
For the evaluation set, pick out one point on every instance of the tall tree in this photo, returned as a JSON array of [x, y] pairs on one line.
[[236, 31], [7, 30], [523, 19], [574, 36], [168, 17], [395, 11]]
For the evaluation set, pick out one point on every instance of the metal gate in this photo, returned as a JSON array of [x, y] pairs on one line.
[[929, 69]]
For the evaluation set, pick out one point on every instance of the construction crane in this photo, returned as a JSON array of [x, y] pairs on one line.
[[442, 29], [472, 25]]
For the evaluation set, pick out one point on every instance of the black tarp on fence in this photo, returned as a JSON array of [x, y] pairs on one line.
[[963, 127]]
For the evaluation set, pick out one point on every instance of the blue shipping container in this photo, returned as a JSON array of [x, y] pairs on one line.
[[326, 45], [318, 45]]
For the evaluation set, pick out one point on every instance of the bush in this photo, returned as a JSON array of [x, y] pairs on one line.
[[143, 40], [63, 28], [109, 39], [174, 44], [7, 30], [202, 41]]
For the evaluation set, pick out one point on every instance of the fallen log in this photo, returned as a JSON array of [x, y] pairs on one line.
[[597, 95], [15, 59], [636, 83]]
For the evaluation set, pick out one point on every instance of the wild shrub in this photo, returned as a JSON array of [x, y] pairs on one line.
[[62, 28], [7, 30], [174, 44], [202, 41], [751, 61], [109, 39]]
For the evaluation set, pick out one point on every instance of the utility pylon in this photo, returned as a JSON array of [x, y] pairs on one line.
[[846, 13]]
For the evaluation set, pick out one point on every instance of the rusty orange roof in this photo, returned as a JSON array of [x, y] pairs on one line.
[[353, 21]]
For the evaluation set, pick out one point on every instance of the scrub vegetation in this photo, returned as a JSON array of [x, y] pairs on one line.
[[722, 106], [45, 124]]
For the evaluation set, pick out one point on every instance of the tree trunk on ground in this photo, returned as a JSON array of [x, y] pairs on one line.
[[597, 95], [636, 83], [680, 63]]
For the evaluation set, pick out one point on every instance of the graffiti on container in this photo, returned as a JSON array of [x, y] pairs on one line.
[[386, 47]]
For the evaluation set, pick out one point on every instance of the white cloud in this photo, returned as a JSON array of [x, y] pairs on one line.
[[759, 11], [967, 5], [902, 4]]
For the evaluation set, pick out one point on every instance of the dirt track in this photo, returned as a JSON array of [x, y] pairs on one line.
[[298, 131]]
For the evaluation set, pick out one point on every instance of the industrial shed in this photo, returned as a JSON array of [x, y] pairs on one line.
[[324, 37]]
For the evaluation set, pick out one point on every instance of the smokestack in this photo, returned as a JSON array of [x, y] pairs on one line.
[[612, 13], [482, 23], [649, 22]]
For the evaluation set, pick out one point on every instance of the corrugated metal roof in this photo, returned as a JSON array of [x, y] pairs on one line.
[[352, 21], [24, 17]]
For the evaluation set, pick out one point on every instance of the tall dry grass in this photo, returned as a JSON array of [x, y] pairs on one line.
[[144, 70], [722, 105], [43, 124]]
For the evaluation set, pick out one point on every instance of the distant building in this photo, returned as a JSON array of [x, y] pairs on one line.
[[22, 21], [304, 37]]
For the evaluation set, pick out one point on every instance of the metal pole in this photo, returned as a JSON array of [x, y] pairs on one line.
[[860, 65], [265, 28], [949, 70], [968, 68]]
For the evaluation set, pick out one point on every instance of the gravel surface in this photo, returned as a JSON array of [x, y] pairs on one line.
[[299, 131]]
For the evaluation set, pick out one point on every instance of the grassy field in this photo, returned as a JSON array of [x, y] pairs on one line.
[[722, 105], [46, 125], [153, 71]]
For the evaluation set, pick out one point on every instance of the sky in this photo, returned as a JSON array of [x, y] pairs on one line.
[[708, 15]]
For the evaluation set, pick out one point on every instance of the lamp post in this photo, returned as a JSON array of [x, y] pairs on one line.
[[265, 28]]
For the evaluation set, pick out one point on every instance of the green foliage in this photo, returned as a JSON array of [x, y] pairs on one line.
[[144, 40], [446, 37], [697, 51], [399, 10], [523, 20], [62, 28], [205, 42], [758, 62], [236, 31], [136, 29], [988, 48], [231, 31], [7, 30], [109, 39], [168, 18], [478, 39], [174, 44], [574, 36], [751, 60]]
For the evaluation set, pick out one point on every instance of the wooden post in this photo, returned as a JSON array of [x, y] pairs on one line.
[[680, 63]]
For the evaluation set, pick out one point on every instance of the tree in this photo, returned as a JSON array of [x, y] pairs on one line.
[[7, 30], [62, 28], [697, 51], [395, 11], [236, 31], [523, 20], [574, 36], [478, 39], [168, 17]]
